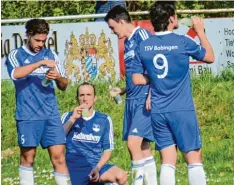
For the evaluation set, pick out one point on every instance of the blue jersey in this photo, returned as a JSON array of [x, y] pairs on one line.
[[165, 56], [89, 137], [130, 44], [33, 101]]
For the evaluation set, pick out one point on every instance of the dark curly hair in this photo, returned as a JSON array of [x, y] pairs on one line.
[[160, 12], [37, 26], [118, 13]]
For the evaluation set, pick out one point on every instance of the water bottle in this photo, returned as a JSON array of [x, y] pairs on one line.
[[116, 96], [85, 113], [45, 82]]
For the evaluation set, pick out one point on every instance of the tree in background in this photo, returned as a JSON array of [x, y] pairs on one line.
[[32, 9]]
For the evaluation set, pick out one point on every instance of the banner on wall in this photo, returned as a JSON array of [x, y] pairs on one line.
[[87, 50], [91, 51]]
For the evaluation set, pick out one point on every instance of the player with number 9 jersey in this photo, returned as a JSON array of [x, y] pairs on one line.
[[165, 56]]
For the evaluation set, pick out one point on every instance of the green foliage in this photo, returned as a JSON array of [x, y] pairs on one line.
[[33, 9], [214, 100]]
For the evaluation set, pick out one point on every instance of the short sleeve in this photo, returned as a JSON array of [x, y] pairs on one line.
[[108, 138], [60, 66], [143, 35], [137, 64], [12, 63], [65, 117], [192, 48]]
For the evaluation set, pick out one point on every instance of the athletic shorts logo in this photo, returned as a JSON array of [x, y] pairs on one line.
[[134, 130]]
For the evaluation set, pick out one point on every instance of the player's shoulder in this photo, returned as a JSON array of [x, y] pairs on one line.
[[102, 115], [15, 52], [143, 34], [66, 116]]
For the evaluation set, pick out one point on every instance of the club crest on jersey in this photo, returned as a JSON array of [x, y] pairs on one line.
[[96, 127], [46, 58]]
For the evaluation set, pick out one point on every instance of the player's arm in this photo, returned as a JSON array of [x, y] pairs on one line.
[[17, 71], [108, 146], [94, 174], [118, 90], [104, 159], [138, 72], [59, 74], [148, 101], [199, 28], [140, 79], [68, 123]]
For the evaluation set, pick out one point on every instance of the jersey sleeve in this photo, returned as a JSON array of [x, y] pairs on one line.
[[192, 48], [137, 64], [59, 65], [65, 117], [143, 35], [108, 139], [12, 62]]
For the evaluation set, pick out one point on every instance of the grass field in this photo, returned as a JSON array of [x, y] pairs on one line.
[[214, 99]]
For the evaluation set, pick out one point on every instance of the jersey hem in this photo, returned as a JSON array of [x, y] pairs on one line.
[[167, 111]]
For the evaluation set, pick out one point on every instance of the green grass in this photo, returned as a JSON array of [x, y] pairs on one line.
[[214, 100]]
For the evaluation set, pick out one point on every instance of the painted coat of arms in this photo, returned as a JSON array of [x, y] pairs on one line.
[[88, 57]]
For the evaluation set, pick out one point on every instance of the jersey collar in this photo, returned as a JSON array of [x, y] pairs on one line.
[[133, 32], [163, 32], [90, 117], [28, 51]]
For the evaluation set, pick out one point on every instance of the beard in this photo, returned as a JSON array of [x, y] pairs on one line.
[[32, 48]]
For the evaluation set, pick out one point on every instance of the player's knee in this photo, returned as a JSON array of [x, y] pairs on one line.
[[58, 160], [27, 161], [133, 145], [122, 177]]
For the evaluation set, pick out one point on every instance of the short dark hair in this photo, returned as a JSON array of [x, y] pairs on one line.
[[85, 83], [118, 13], [37, 26], [160, 12]]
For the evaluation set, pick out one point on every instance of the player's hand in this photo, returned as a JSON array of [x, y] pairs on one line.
[[198, 24], [53, 74], [114, 91], [48, 63], [77, 112], [94, 175], [148, 103]]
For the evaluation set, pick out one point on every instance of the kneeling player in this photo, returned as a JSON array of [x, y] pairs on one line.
[[90, 141]]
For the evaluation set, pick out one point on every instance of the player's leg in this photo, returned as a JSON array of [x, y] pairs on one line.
[[196, 173], [29, 135], [150, 171], [27, 156], [165, 143], [187, 133], [130, 134], [54, 140], [113, 175], [140, 128], [138, 162], [79, 173]]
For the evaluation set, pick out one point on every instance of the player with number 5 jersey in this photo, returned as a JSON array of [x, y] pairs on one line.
[[165, 57]]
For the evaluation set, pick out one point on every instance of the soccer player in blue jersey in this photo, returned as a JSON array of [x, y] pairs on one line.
[[137, 121], [37, 114], [165, 56], [90, 141]]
